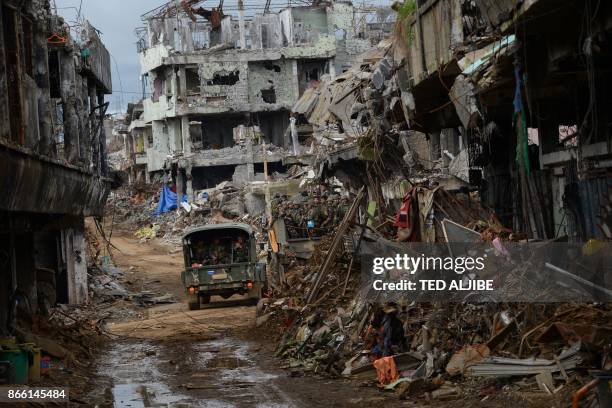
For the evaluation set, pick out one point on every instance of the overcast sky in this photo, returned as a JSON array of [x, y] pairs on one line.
[[117, 19]]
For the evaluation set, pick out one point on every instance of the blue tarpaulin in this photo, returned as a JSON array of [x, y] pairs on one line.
[[167, 201]]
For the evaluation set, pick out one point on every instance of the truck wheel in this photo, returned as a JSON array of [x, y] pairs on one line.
[[205, 299], [256, 293], [193, 302]]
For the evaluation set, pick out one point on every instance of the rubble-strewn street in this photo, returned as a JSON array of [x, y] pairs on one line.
[[304, 204], [163, 354]]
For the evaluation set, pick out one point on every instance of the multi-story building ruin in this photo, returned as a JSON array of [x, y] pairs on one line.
[[222, 86], [136, 134], [53, 168]]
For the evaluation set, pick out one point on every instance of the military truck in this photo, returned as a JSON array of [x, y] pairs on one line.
[[221, 259]]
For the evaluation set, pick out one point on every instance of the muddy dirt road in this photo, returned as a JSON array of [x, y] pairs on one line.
[[168, 356]]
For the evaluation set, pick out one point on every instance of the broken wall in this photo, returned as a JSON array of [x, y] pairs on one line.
[[310, 72], [341, 20], [224, 84], [217, 131], [308, 24], [266, 32], [272, 83]]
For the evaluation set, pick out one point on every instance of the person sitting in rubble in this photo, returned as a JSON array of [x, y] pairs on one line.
[[374, 337], [393, 331], [240, 250], [385, 335]]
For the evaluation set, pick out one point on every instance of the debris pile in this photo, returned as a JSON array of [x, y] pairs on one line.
[[356, 130]]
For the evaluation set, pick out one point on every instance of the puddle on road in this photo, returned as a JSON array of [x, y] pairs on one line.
[[209, 374], [137, 382]]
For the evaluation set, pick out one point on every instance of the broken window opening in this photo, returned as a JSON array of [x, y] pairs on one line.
[[268, 95], [149, 133], [272, 67], [312, 75], [158, 85], [54, 74], [231, 78], [200, 36], [193, 81]]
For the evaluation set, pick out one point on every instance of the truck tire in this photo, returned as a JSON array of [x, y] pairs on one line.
[[257, 292], [193, 302], [205, 299]]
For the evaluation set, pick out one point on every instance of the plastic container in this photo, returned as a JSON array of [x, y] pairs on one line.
[[33, 359], [45, 364], [19, 359]]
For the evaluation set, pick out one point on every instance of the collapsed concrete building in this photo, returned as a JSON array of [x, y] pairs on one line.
[[526, 102], [53, 168], [484, 94], [136, 134], [222, 86]]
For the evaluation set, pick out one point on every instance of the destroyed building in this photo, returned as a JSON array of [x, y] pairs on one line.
[[222, 86], [526, 103], [136, 136], [53, 168], [489, 93]]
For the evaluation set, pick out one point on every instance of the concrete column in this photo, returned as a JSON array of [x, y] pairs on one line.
[[249, 154], [41, 75], [182, 91], [434, 146], [95, 142], [76, 264], [102, 140], [69, 101], [186, 136], [174, 87], [295, 79], [332, 68], [189, 183], [179, 185], [241, 24], [444, 146], [295, 142]]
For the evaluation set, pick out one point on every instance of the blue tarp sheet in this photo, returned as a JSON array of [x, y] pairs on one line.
[[167, 201]]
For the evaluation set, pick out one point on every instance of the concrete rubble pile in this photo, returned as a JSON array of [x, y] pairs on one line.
[[133, 207], [356, 129], [435, 351]]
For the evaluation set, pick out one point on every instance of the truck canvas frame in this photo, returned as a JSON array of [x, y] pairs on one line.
[[221, 259]]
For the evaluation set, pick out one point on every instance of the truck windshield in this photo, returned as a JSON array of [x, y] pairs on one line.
[[206, 250]]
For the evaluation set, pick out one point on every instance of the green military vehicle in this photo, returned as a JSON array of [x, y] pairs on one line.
[[221, 259]]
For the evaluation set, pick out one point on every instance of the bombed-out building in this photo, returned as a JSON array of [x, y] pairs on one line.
[[222, 85], [136, 136], [524, 101], [53, 168]]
